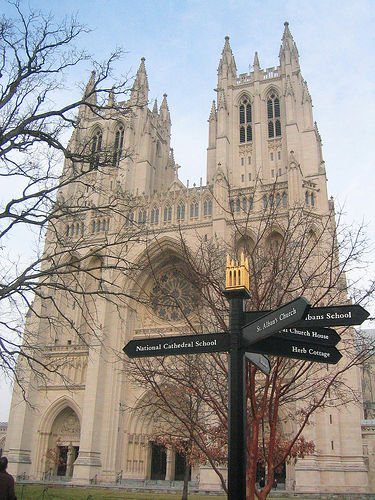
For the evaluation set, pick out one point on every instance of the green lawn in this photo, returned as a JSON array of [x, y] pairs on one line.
[[51, 492], [40, 492]]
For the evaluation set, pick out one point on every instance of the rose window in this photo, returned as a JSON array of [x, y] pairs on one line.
[[172, 297]]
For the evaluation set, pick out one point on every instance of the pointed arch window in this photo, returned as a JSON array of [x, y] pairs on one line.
[[194, 210], [180, 211], [207, 207], [118, 146], [142, 216], [155, 215], [285, 199], [130, 218], [273, 116], [245, 120], [96, 147], [167, 214]]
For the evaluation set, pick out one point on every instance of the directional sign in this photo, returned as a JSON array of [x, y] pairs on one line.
[[260, 361], [347, 315], [280, 318], [321, 336], [336, 316], [180, 344], [296, 349]]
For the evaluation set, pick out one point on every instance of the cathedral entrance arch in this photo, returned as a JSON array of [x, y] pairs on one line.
[[148, 454], [62, 447]]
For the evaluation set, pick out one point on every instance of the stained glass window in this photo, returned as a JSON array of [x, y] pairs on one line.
[[173, 297]]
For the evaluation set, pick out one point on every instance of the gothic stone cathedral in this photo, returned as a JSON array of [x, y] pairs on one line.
[[263, 140]]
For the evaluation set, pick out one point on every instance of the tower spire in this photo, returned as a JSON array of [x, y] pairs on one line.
[[140, 89], [155, 108], [111, 99], [164, 111], [256, 64], [90, 93], [227, 69], [89, 99], [288, 50], [256, 67], [212, 112]]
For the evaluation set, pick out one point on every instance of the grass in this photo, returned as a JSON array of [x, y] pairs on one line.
[[50, 492]]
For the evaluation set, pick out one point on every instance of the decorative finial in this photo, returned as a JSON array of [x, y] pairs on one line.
[[237, 275]]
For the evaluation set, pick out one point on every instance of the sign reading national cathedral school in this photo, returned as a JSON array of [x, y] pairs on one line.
[[180, 344]]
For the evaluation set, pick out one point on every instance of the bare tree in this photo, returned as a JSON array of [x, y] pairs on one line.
[[293, 252], [71, 210]]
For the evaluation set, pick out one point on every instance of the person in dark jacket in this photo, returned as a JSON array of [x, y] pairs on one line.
[[6, 482]]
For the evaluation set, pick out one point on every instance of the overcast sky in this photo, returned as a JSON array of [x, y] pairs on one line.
[[182, 42]]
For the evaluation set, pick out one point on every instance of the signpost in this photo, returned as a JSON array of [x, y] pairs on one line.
[[180, 344], [346, 315], [260, 361], [297, 331], [321, 336], [297, 350], [272, 322]]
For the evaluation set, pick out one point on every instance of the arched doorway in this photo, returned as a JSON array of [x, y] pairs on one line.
[[63, 444]]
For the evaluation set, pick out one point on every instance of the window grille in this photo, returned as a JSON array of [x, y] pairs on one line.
[[119, 141], [245, 121], [273, 115], [96, 147]]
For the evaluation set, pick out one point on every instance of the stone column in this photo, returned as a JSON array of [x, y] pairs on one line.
[[169, 474], [88, 464]]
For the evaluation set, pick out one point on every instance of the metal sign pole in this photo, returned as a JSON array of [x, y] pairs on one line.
[[236, 409]]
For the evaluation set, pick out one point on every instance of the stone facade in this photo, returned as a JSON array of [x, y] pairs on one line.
[[3, 433], [264, 143], [368, 423]]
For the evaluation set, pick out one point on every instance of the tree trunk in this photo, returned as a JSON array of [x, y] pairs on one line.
[[185, 489], [252, 458]]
